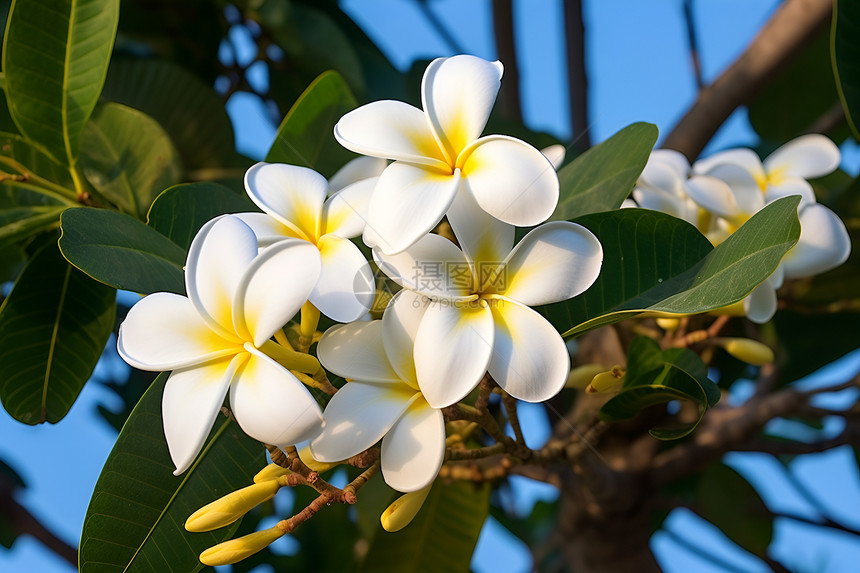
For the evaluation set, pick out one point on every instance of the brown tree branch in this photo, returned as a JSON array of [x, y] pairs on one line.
[[577, 77], [24, 522], [793, 25], [503, 29]]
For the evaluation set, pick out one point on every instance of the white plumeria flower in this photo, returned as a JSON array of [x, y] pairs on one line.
[[439, 153], [216, 338], [294, 202], [476, 317], [661, 186], [382, 401]]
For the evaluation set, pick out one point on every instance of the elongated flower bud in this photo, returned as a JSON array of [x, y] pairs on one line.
[[404, 509], [271, 471], [606, 382], [668, 324], [240, 548], [581, 375], [231, 507], [308, 459], [750, 351]]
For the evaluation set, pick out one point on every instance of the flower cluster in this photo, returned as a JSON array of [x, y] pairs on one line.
[[463, 311], [719, 193]]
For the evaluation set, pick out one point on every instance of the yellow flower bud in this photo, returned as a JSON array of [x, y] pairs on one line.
[[231, 507], [750, 351], [404, 509], [308, 459], [581, 375], [606, 382], [668, 324], [240, 548], [271, 471]]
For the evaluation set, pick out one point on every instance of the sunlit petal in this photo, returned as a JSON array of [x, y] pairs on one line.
[[358, 416], [268, 229], [390, 129], [791, 186], [713, 195], [530, 360], [824, 243], [274, 287], [760, 304], [555, 154], [510, 179], [400, 323], [217, 258], [807, 156], [345, 288], [452, 350], [356, 351], [271, 405], [163, 331], [674, 160], [433, 266], [484, 239], [191, 402], [554, 262], [345, 212], [294, 195], [743, 158], [457, 94], [413, 449], [356, 170], [409, 200]]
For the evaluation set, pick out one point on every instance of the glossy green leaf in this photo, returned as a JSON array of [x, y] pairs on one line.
[[179, 212], [602, 177], [134, 522], [121, 251], [440, 538], [728, 501], [306, 137], [26, 210], [36, 161], [189, 110], [657, 376], [845, 50], [53, 328], [724, 276], [55, 58], [128, 158]]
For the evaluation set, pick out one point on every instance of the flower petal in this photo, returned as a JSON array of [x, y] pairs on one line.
[[746, 159], [392, 130], [358, 416], [356, 170], [268, 229], [345, 289], [674, 160], [345, 212], [824, 243], [555, 154], [485, 240], [274, 287], [807, 156], [291, 194], [791, 186], [452, 350], [356, 351], [554, 262], [163, 331], [760, 304], [413, 449], [433, 266], [713, 195], [510, 179], [218, 256], [191, 401], [409, 200], [271, 405], [400, 323], [458, 94], [530, 360]]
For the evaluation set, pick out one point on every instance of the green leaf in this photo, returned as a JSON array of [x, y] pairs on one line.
[[134, 522], [306, 137], [53, 328], [641, 249], [440, 538], [728, 501], [55, 58], [128, 158], [188, 109], [122, 252], [845, 52], [655, 377], [37, 161], [723, 277], [179, 212], [602, 177]]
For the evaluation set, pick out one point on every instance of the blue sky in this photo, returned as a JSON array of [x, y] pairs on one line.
[[639, 71]]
